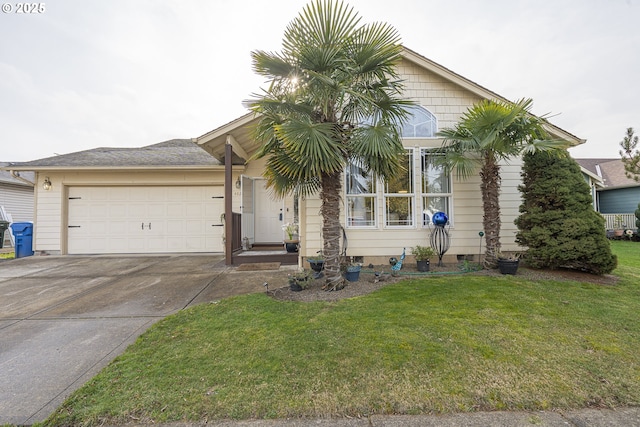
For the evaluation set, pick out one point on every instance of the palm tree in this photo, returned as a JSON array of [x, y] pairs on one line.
[[488, 133], [334, 98]]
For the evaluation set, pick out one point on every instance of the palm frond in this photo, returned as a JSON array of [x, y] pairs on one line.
[[501, 128], [271, 65], [312, 145], [378, 149], [321, 23]]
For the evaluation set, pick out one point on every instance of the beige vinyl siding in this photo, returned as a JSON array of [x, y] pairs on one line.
[[510, 201], [441, 97]]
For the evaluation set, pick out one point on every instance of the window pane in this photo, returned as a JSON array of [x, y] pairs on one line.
[[431, 205], [358, 182], [402, 182], [420, 124], [399, 210], [425, 130], [361, 211], [434, 178]]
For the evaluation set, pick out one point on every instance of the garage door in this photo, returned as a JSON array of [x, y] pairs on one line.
[[106, 220]]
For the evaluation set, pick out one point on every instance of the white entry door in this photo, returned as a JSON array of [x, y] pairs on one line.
[[268, 215], [144, 219]]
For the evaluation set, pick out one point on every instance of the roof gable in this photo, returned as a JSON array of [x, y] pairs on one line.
[[478, 90], [237, 132]]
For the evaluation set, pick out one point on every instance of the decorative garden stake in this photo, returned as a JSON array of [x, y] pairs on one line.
[[398, 264], [440, 240], [481, 234]]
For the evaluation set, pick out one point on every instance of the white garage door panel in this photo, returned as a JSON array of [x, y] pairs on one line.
[[144, 219]]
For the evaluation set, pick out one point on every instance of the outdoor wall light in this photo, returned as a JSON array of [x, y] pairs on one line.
[[238, 183], [46, 184]]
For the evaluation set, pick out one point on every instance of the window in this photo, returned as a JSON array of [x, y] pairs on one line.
[[421, 123], [399, 195], [361, 197], [436, 188]]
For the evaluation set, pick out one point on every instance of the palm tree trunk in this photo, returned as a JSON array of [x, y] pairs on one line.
[[490, 188], [331, 231]]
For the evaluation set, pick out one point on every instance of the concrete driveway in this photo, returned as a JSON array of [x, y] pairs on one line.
[[63, 318]]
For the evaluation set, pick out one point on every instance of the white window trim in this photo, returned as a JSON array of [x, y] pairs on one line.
[[412, 195], [423, 195], [376, 202], [375, 225]]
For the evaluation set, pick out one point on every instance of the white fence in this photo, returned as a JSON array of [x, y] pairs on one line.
[[627, 221]]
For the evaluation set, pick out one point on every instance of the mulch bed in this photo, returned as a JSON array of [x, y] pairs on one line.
[[369, 283]]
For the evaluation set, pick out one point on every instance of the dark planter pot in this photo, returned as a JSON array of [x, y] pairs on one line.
[[316, 266], [423, 266], [291, 247], [294, 286], [507, 266]]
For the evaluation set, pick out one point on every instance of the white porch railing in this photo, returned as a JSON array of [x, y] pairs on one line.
[[628, 221]]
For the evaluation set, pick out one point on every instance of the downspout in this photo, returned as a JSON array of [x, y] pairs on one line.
[[17, 176]]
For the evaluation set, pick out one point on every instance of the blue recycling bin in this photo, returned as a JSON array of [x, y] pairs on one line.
[[23, 234]]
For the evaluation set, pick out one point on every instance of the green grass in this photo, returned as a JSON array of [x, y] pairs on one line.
[[434, 345], [7, 255]]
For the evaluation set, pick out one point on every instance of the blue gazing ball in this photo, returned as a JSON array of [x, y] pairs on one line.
[[440, 218]]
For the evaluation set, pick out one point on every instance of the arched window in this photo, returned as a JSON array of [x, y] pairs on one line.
[[421, 123]]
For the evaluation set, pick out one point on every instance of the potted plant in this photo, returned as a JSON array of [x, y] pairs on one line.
[[508, 264], [618, 226], [299, 280], [292, 241], [316, 262], [422, 255], [352, 272]]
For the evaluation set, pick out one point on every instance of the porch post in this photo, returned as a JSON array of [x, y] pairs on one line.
[[228, 204]]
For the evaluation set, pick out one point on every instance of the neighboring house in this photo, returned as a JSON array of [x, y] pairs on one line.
[[594, 182], [16, 197], [618, 194], [110, 200]]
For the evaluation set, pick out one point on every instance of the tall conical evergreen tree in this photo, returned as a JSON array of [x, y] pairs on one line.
[[558, 223]]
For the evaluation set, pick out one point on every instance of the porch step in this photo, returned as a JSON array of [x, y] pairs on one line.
[[254, 256]]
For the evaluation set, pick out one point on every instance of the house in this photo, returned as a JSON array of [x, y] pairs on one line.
[[618, 194], [170, 197], [16, 198]]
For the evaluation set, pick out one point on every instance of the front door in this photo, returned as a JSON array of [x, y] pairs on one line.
[[268, 215]]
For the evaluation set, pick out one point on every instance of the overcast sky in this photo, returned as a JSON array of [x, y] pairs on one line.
[[130, 73]]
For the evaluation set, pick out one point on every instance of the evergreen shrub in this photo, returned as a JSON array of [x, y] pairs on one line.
[[557, 221]]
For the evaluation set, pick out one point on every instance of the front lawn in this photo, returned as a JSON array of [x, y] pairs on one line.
[[428, 345]]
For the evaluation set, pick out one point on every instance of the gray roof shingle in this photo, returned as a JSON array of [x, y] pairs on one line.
[[611, 171], [175, 152]]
